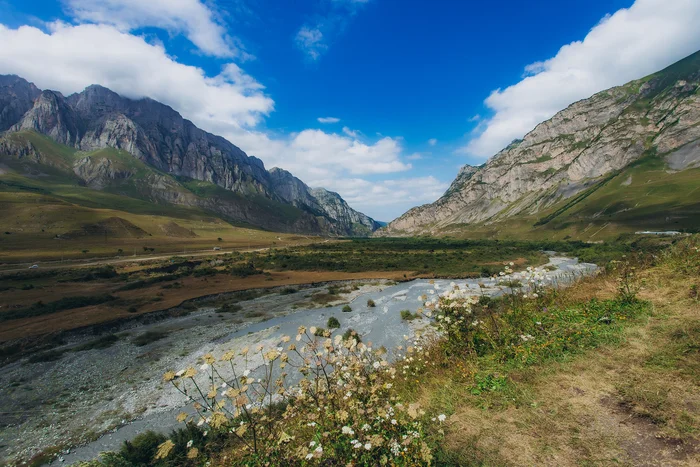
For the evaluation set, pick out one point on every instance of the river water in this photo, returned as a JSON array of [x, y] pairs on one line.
[[381, 326]]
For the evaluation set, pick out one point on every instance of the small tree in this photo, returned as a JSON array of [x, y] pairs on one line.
[[370, 303]]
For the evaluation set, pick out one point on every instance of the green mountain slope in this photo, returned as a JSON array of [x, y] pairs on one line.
[[624, 160]]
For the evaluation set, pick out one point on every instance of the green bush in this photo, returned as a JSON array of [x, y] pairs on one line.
[[350, 334], [347, 309], [148, 337], [142, 449], [407, 315], [333, 323], [370, 303]]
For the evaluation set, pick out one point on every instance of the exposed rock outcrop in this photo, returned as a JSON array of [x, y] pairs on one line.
[[158, 136], [656, 116]]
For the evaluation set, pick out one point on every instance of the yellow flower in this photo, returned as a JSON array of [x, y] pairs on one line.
[[189, 373], [169, 376], [209, 358], [193, 453], [181, 417], [228, 356], [164, 449], [218, 419]]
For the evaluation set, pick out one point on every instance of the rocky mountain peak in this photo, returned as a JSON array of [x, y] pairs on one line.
[[578, 148], [160, 137]]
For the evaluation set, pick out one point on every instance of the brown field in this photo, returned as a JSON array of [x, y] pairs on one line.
[[192, 287]]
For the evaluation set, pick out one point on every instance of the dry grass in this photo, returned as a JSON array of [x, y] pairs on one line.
[[635, 404], [192, 287]]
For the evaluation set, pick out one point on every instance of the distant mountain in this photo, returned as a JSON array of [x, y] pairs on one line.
[[623, 160], [176, 158]]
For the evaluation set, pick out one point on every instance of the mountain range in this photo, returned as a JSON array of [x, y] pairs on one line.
[[623, 160], [144, 150]]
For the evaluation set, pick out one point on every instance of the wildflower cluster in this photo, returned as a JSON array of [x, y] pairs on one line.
[[453, 312], [310, 399], [628, 282]]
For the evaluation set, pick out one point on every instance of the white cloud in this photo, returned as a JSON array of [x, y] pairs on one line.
[[415, 156], [193, 18], [310, 41], [328, 120], [432, 141], [315, 37], [627, 45], [351, 133], [69, 58], [387, 199], [232, 104]]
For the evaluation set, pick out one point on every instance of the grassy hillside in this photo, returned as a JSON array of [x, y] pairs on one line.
[[644, 196], [44, 199]]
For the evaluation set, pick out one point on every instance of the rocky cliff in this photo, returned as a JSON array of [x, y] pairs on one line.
[[573, 152], [158, 136]]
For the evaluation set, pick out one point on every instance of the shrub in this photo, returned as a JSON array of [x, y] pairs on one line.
[[316, 423], [288, 291], [50, 356], [100, 343], [407, 315], [230, 308], [142, 449], [346, 309], [148, 337], [67, 303], [320, 332], [333, 323], [370, 303]]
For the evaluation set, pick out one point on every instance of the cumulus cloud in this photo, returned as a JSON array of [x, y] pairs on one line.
[[69, 58], [315, 37], [192, 18], [347, 165], [627, 45], [232, 104], [387, 199], [328, 120], [432, 141]]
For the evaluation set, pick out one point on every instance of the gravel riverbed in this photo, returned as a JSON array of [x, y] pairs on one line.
[[90, 401]]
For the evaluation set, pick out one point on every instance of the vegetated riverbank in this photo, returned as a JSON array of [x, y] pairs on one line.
[[132, 389], [605, 371], [102, 376]]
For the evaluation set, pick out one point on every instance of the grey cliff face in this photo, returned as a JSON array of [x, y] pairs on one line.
[[16, 98], [343, 219], [157, 135], [563, 156]]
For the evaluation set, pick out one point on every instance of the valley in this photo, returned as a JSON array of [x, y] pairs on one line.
[[170, 299]]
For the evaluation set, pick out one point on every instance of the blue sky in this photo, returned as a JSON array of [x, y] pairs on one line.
[[380, 100]]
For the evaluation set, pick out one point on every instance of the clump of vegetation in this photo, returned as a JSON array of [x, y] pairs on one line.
[[288, 291], [100, 343], [230, 308], [66, 303], [320, 332], [351, 334], [149, 337], [346, 309], [407, 315], [245, 270], [370, 303], [49, 356], [333, 323]]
